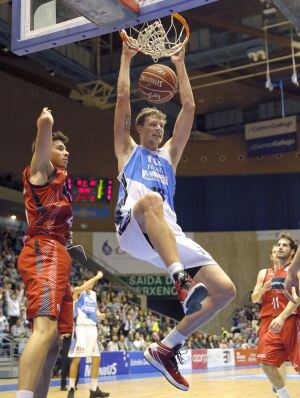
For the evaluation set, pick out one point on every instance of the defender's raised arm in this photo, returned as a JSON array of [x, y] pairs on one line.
[[41, 166]]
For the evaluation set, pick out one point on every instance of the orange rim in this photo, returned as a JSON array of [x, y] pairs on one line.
[[124, 36], [131, 4]]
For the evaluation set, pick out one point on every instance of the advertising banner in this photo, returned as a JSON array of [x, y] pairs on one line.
[[218, 357], [199, 359], [245, 356], [271, 136], [151, 285], [138, 364], [112, 364], [90, 211]]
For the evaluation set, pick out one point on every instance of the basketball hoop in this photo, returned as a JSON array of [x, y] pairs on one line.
[[157, 41]]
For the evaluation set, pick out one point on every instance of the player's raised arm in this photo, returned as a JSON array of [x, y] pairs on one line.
[[260, 287], [41, 166], [184, 122], [122, 122], [89, 284]]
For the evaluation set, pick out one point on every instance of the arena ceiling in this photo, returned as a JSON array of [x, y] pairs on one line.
[[226, 59]]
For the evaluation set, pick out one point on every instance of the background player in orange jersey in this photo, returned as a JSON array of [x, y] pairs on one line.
[[262, 295], [282, 339], [293, 278], [44, 263]]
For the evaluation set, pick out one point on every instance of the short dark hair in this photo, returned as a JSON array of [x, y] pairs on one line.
[[293, 243], [145, 112], [56, 136]]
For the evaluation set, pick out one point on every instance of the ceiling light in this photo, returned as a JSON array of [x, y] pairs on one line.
[[269, 11]]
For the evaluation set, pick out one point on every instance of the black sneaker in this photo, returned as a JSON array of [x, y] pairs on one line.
[[71, 393], [98, 393], [63, 388]]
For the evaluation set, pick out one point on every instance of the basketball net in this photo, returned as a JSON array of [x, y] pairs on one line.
[[157, 41]]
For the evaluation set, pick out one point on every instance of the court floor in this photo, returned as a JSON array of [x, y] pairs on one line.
[[239, 382]]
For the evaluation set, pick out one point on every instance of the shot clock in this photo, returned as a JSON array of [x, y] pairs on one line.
[[90, 189]]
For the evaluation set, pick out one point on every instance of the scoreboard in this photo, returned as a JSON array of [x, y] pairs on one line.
[[90, 189]]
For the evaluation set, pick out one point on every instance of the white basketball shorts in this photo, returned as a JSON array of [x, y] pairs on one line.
[[133, 241], [84, 342]]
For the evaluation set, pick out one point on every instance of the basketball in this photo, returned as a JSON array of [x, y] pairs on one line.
[[158, 83]]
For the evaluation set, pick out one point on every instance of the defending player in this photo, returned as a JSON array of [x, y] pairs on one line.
[[281, 341], [85, 335], [44, 263], [146, 221]]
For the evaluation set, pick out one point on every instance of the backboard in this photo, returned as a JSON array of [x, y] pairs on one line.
[[41, 24]]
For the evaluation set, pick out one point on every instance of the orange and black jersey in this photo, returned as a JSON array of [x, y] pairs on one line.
[[279, 300], [48, 207]]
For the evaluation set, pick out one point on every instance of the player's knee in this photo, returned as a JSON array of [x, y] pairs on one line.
[[152, 202], [225, 294], [50, 335], [47, 332], [230, 291]]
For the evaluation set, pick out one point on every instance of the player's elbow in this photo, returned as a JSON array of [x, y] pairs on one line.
[[189, 106], [123, 94]]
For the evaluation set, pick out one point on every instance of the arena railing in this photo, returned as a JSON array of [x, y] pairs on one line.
[[9, 357]]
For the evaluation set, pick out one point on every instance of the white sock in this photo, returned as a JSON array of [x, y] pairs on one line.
[[94, 384], [173, 338], [283, 393], [72, 383], [174, 269], [25, 394]]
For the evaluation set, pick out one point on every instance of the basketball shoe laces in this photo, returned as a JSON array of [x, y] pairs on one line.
[[177, 352]]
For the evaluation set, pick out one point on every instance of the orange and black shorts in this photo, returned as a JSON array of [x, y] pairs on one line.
[[283, 346], [264, 324], [44, 265]]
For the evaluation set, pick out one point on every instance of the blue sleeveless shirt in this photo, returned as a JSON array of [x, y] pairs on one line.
[[146, 171], [85, 309]]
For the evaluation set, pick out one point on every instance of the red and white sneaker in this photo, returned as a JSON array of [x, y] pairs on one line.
[[163, 358], [190, 293]]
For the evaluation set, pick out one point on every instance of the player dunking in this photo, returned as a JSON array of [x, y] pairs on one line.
[[44, 263], [262, 295], [281, 341], [146, 221]]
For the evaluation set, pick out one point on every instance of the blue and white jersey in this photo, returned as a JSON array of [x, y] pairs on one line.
[[85, 309], [146, 171]]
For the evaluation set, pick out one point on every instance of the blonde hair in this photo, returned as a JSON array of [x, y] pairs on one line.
[[145, 112]]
